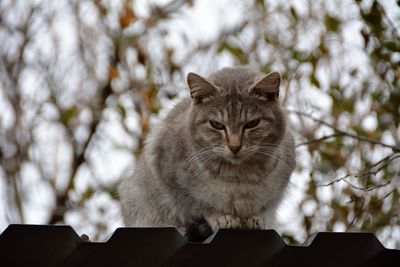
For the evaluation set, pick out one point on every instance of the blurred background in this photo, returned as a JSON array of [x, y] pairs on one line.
[[82, 82]]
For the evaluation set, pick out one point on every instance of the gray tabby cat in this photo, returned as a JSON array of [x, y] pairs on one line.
[[221, 159]]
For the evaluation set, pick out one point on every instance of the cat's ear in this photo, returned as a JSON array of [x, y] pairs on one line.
[[268, 87], [200, 89]]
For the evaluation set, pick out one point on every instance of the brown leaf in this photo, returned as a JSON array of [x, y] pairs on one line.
[[145, 125], [128, 17], [113, 73], [142, 56]]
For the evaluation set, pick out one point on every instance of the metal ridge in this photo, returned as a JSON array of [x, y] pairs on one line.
[[45, 245]]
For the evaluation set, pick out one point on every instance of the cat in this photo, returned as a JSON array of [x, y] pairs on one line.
[[222, 158]]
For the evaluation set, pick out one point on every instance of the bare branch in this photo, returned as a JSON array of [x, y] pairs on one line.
[[12, 70], [383, 163], [344, 133], [369, 188], [325, 137]]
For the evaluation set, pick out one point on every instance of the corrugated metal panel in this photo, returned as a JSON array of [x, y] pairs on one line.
[[39, 245]]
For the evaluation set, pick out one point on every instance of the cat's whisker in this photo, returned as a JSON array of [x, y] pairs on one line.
[[199, 152], [281, 162], [270, 155], [265, 150], [196, 155], [277, 150], [275, 146], [205, 159]]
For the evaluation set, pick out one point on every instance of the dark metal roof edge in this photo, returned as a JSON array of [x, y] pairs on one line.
[[315, 240], [318, 237], [49, 245]]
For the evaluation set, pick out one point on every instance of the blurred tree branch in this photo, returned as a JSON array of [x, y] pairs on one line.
[[62, 197], [79, 159], [341, 132], [13, 135], [370, 170]]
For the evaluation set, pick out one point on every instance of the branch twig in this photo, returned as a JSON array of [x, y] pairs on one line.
[[344, 133], [383, 163], [325, 137]]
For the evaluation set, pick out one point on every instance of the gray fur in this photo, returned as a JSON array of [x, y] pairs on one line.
[[187, 171]]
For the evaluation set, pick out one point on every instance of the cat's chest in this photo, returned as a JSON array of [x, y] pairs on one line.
[[235, 194]]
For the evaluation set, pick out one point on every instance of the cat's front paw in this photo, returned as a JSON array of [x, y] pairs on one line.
[[224, 222], [254, 222]]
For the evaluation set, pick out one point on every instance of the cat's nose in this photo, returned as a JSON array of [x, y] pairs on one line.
[[234, 143], [235, 148]]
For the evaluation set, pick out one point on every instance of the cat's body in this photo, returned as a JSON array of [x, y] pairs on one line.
[[219, 160]]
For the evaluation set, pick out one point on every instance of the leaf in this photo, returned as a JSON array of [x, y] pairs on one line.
[[374, 19], [323, 48], [289, 239], [315, 81], [113, 191], [142, 56], [348, 104], [392, 46], [68, 115], [332, 23], [261, 3], [360, 131], [122, 110], [294, 13], [308, 223], [88, 193], [145, 125], [113, 73], [299, 56], [128, 17], [235, 51], [103, 10], [366, 36]]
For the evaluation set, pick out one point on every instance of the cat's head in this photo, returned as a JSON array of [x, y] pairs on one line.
[[235, 113]]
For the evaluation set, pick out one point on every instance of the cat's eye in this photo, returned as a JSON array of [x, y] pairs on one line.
[[217, 125], [252, 124]]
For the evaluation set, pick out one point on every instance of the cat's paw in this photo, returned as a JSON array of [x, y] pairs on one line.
[[224, 222], [253, 222]]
